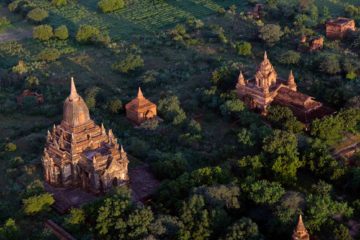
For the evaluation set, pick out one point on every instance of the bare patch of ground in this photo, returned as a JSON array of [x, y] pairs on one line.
[[18, 31], [142, 182]]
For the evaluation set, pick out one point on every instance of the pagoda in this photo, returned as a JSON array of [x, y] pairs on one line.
[[339, 27], [267, 88], [79, 153], [140, 109], [300, 232]]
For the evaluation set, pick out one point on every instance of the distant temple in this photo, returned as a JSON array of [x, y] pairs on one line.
[[311, 44], [339, 27], [140, 109], [300, 232], [267, 88], [79, 153]]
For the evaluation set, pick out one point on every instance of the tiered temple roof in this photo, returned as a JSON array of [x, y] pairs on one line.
[[140, 109], [300, 232]]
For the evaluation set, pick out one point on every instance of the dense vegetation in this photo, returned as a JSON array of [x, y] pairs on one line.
[[225, 171]]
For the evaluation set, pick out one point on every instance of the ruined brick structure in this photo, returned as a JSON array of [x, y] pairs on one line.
[[311, 44], [79, 153], [300, 232], [339, 27], [140, 109], [267, 88]]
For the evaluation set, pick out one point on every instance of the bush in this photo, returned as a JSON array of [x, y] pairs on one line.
[[130, 63], [271, 34], [243, 48], [37, 15], [115, 105], [61, 32], [290, 57], [110, 5], [49, 54], [32, 81], [4, 22], [59, 3], [20, 68], [36, 204], [10, 147], [87, 34], [43, 32]]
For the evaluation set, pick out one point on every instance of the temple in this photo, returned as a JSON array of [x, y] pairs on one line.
[[267, 88], [140, 109], [300, 232], [339, 27], [79, 153]]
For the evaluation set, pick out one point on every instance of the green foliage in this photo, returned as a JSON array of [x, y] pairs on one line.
[[49, 54], [281, 149], [195, 23], [59, 3], [249, 166], [131, 63], [289, 207], [20, 68], [352, 11], [4, 22], [115, 105], [270, 34], [290, 57], [32, 81], [232, 107], [243, 229], [107, 6], [43, 32], [37, 204], [283, 118], [87, 34], [330, 64], [196, 219], [10, 147], [77, 216], [90, 97], [169, 165], [37, 15], [221, 196], [9, 231], [329, 129], [243, 48], [61, 32], [342, 232], [171, 110], [264, 192]]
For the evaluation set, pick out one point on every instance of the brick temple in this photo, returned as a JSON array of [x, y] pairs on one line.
[[140, 109], [266, 88], [300, 232], [79, 153], [339, 27]]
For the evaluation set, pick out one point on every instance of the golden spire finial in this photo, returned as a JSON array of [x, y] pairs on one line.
[[73, 91], [140, 94]]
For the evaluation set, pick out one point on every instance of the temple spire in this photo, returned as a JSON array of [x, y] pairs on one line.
[[73, 91], [291, 82], [300, 232], [140, 94], [241, 80], [265, 56]]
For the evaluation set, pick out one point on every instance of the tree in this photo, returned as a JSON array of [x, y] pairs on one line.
[[330, 64], [243, 48], [290, 57], [77, 216], [222, 196], [37, 15], [232, 107], [329, 129], [281, 148], [10, 147], [37, 204], [107, 6], [61, 32], [270, 33], [59, 3], [171, 110], [87, 34], [264, 192], [290, 205], [129, 64], [341, 232], [43, 32], [169, 165], [166, 227], [283, 118], [32, 81], [115, 105], [195, 218], [49, 54], [9, 231], [243, 229]]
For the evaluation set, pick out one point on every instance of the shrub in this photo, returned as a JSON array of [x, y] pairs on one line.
[[130, 63], [290, 57], [59, 3], [49, 54], [61, 32], [43, 32], [115, 105], [32, 81], [87, 33], [243, 48], [10, 147], [110, 5], [36, 204], [13, 6], [4, 22], [20, 68], [37, 15]]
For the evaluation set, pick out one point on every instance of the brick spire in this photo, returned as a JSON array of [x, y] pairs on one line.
[[300, 232], [140, 94], [291, 81], [241, 80], [73, 91]]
